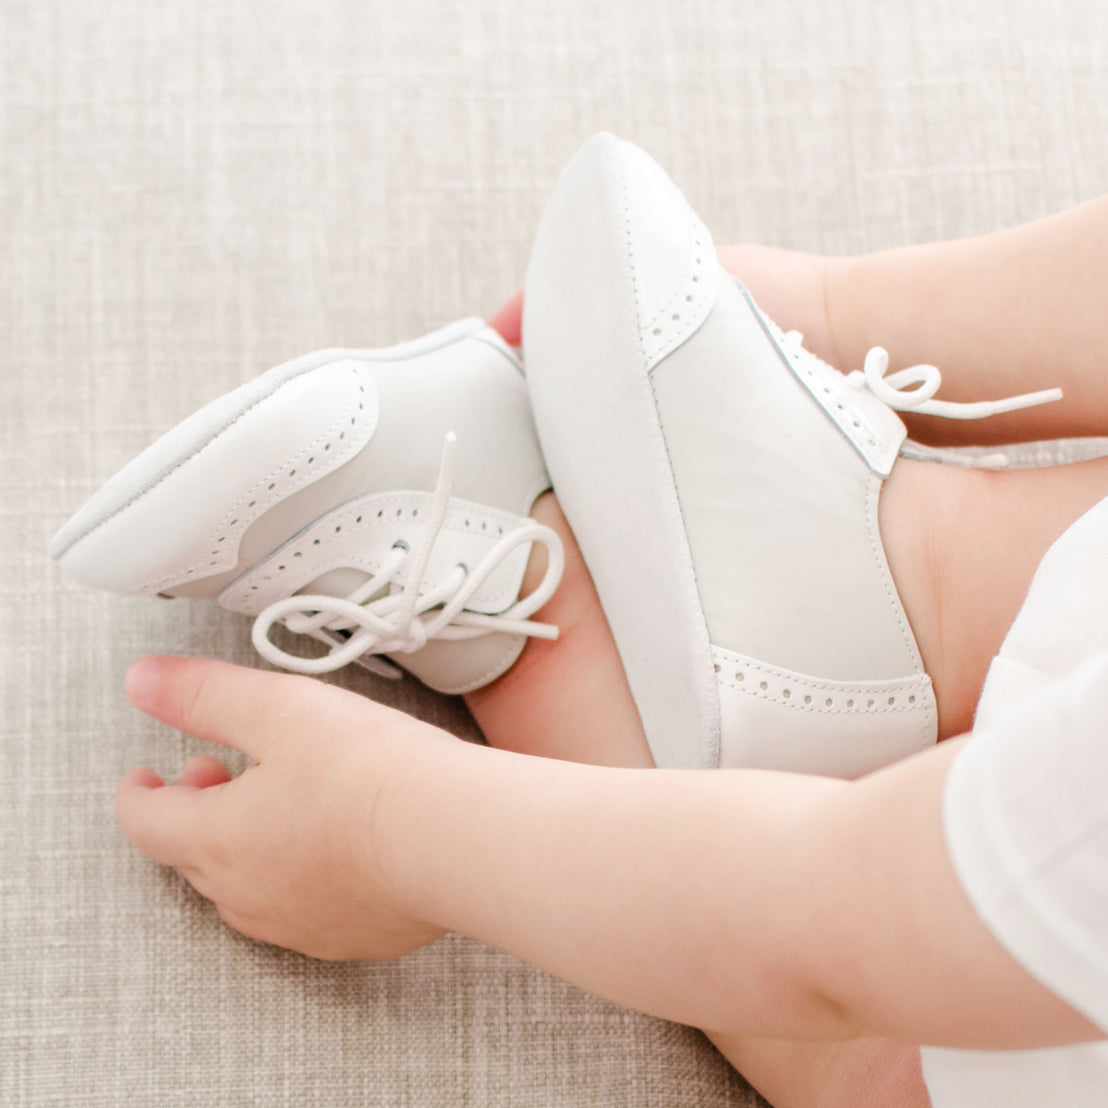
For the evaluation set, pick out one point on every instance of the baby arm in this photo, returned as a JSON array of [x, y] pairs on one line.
[[740, 901]]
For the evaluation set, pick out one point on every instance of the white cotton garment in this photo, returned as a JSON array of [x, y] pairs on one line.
[[1025, 814]]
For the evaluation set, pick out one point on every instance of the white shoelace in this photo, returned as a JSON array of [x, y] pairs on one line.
[[403, 621], [893, 389]]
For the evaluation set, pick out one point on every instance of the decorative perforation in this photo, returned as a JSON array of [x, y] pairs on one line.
[[828, 387], [686, 309], [359, 536], [325, 453], [809, 695]]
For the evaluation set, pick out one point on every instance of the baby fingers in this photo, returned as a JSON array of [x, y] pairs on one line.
[[202, 771], [168, 823]]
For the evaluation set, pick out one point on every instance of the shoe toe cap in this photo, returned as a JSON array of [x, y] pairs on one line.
[[177, 512], [619, 247]]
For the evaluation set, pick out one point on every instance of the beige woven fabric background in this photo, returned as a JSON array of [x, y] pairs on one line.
[[192, 190]]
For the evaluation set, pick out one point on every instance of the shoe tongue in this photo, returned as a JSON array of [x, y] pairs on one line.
[[342, 582]]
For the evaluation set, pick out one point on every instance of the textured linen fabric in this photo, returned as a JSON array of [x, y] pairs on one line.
[[192, 191]]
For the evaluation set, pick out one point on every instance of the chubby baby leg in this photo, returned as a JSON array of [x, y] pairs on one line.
[[568, 698]]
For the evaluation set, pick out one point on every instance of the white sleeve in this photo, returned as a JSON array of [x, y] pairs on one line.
[[1025, 813]]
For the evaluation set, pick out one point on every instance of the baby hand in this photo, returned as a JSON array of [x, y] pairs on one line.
[[285, 850]]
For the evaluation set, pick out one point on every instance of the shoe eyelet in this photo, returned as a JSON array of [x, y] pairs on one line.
[[400, 544], [850, 703]]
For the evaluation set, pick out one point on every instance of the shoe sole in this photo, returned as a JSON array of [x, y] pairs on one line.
[[639, 556]]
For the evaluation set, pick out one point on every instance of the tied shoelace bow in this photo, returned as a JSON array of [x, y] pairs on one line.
[[893, 389], [405, 620]]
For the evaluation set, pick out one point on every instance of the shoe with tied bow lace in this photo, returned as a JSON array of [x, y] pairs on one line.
[[374, 500], [723, 485]]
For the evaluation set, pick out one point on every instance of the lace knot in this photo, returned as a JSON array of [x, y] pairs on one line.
[[405, 618], [895, 391]]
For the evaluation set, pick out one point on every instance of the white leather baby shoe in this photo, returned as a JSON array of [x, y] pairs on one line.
[[376, 500], [723, 485]]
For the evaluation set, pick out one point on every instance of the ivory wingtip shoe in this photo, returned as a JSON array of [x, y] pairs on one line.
[[723, 488], [376, 500]]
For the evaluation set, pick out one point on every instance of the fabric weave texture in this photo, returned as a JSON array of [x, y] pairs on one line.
[[193, 191]]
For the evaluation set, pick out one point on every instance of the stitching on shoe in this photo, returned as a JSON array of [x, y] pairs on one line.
[[238, 519], [714, 738], [804, 694], [848, 412], [276, 378], [282, 375], [873, 488], [235, 598], [929, 723], [665, 338]]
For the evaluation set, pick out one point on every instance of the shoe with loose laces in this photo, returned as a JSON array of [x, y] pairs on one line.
[[723, 485], [374, 500]]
